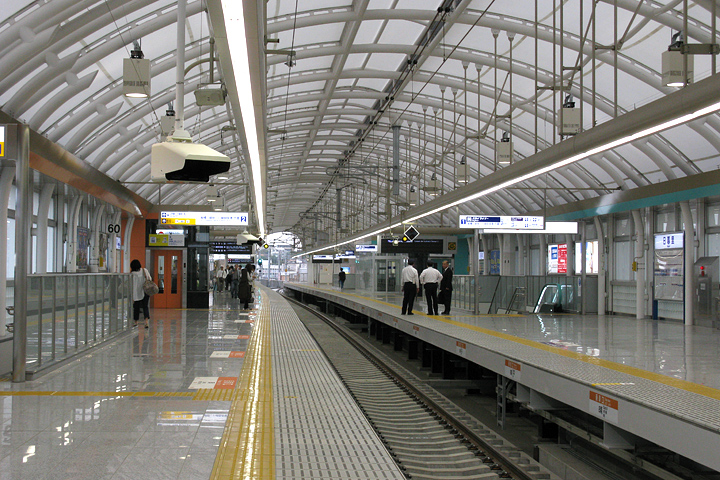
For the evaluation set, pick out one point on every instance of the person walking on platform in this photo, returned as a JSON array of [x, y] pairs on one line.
[[430, 278], [140, 298], [220, 278], [245, 285], [341, 279], [234, 282], [411, 287], [446, 287], [228, 278]]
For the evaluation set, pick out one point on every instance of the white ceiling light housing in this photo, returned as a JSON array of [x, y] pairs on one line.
[[136, 74]]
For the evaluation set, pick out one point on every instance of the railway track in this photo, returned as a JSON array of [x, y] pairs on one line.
[[428, 435]]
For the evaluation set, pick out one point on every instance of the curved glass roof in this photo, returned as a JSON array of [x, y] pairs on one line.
[[454, 75]]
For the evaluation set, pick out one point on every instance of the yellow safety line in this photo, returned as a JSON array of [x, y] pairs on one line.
[[247, 448], [618, 367]]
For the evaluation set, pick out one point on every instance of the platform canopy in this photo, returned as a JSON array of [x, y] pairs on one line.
[[453, 76]]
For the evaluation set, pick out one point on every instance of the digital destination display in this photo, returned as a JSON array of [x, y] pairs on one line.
[[499, 221], [204, 218]]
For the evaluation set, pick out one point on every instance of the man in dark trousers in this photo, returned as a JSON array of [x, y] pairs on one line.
[[446, 286], [411, 287], [341, 278]]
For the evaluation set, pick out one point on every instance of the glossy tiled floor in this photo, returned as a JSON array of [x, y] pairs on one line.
[[666, 347], [127, 410]]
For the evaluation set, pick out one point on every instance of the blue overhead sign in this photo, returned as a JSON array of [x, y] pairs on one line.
[[498, 221]]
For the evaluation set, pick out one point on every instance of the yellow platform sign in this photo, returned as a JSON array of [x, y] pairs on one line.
[[158, 240]]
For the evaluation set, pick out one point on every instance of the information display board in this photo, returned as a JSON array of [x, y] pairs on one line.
[[230, 247], [322, 259], [204, 218], [557, 258], [366, 248], [498, 221], [669, 266], [419, 245]]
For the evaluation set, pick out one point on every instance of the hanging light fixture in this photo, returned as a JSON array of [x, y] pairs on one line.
[[212, 193], [570, 124], [136, 73], [413, 196], [504, 150], [673, 63], [462, 172], [432, 187]]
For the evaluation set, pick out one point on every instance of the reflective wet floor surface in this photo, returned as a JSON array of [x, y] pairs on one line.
[[152, 404], [667, 347]]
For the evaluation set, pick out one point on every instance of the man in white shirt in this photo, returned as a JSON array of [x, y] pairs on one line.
[[220, 278], [411, 287], [431, 278]]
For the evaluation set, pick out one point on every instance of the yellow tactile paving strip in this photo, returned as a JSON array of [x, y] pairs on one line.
[[618, 367], [247, 448]]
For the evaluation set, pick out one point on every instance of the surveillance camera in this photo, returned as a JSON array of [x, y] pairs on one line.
[[395, 243]]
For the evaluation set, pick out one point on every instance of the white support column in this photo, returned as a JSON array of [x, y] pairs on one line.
[[638, 257], [71, 257], [113, 266], [583, 267], [42, 227], [486, 254], [60, 237], [689, 262], [601, 265], [6, 178], [95, 238], [126, 244]]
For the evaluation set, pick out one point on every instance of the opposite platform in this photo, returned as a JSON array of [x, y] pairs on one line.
[[582, 361]]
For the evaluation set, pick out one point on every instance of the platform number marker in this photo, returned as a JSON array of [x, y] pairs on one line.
[[460, 348], [513, 370], [416, 330], [604, 407]]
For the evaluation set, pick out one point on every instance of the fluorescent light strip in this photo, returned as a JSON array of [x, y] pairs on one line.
[[580, 156], [237, 43]]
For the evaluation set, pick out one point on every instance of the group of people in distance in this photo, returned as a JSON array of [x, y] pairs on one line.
[[240, 282], [432, 280]]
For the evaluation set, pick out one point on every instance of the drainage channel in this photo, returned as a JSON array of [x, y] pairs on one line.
[[430, 437]]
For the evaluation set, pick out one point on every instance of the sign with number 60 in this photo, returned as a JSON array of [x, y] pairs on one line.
[[113, 228]]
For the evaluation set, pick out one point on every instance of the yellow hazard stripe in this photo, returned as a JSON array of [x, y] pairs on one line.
[[247, 448]]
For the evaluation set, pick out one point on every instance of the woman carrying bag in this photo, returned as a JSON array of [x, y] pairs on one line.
[[141, 291]]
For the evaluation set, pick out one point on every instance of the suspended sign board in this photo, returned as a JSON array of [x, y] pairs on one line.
[[227, 219], [366, 248], [497, 221], [322, 259], [550, 228], [663, 241], [230, 247]]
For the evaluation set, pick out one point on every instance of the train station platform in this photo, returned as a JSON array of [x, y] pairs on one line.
[[643, 379], [205, 393]]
